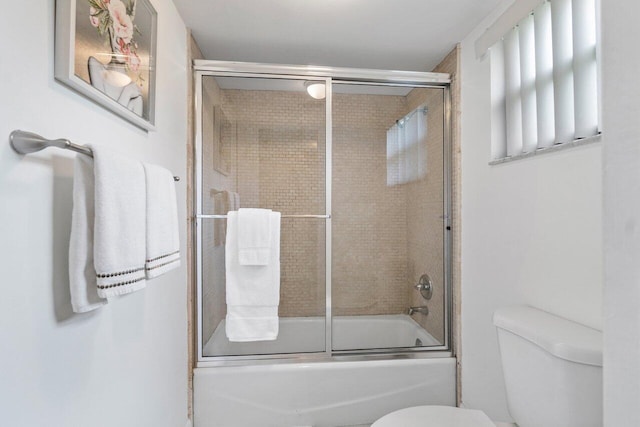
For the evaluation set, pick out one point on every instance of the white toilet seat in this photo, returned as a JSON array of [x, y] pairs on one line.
[[434, 416]]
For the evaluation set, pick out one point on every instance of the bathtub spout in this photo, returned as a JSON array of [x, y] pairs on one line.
[[423, 309]]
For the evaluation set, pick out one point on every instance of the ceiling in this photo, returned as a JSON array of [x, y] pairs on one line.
[[412, 35]]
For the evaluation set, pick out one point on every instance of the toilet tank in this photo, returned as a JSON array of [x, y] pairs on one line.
[[552, 368]]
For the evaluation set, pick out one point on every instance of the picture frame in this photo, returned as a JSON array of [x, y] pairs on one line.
[[106, 51]]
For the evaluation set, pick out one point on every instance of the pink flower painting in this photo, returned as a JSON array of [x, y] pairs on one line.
[[114, 20]]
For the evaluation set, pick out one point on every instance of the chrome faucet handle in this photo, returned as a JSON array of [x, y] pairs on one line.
[[425, 286]]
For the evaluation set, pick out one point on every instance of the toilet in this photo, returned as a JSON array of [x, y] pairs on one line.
[[553, 376], [434, 416]]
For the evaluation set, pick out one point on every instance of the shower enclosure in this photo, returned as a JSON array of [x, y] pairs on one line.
[[358, 163]]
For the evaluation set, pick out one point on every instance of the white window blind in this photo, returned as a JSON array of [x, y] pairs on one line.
[[513, 95], [585, 74], [498, 99], [407, 148], [544, 78]]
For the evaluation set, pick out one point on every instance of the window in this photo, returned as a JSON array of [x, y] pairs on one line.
[[407, 148], [544, 79]]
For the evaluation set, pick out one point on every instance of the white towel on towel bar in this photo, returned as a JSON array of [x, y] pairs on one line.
[[253, 291], [254, 236], [120, 223], [162, 236], [82, 275]]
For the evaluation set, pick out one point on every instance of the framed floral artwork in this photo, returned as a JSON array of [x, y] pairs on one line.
[[106, 50]]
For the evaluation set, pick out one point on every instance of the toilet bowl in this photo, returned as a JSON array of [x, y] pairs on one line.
[[546, 359], [434, 416]]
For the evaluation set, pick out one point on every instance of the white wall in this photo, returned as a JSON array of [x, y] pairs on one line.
[[125, 364], [531, 234], [621, 120]]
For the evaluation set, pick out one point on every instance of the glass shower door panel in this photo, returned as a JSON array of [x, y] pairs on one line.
[[264, 147], [388, 204]]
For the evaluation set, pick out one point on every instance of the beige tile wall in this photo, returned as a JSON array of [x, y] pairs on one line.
[[369, 218], [425, 205], [425, 255], [451, 64], [193, 53], [213, 281], [280, 165]]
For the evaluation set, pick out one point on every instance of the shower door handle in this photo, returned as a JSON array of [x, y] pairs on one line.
[[202, 216]]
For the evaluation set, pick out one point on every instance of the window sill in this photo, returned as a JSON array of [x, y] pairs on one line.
[[554, 148]]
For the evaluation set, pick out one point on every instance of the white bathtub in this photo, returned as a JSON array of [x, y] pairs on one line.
[[321, 394], [306, 334]]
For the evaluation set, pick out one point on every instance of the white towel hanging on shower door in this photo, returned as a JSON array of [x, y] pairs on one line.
[[253, 291]]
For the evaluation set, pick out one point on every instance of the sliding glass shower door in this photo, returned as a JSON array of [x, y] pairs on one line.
[[389, 206], [359, 169], [264, 146]]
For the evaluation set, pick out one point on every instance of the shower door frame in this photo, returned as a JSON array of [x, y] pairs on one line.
[[330, 75]]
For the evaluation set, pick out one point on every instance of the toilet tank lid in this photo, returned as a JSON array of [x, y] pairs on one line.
[[561, 337]]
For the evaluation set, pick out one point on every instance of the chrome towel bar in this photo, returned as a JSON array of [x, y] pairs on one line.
[[27, 142], [283, 216]]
